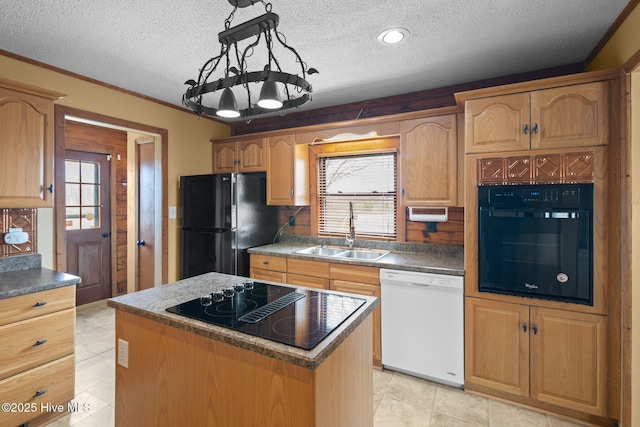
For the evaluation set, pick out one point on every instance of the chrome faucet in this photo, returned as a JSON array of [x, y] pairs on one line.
[[351, 236]]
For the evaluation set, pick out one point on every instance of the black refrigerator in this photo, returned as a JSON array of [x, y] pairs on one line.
[[221, 217]]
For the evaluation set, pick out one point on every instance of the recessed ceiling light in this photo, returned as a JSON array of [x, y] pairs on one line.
[[393, 36]]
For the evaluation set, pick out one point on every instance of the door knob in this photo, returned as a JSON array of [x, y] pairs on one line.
[[105, 234], [140, 242]]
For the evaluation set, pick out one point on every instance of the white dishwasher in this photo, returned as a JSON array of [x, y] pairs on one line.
[[423, 325]]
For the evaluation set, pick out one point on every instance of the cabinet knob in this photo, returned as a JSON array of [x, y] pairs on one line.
[[524, 327], [141, 243], [265, 262], [526, 129], [39, 342], [291, 193], [50, 188], [40, 304], [39, 393], [535, 329], [535, 128]]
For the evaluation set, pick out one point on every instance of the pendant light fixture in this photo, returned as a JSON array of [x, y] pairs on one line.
[[238, 80]]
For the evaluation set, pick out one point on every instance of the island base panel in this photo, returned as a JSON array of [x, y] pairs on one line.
[[175, 377]]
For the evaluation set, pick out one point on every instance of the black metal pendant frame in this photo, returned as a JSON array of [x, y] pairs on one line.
[[297, 89]]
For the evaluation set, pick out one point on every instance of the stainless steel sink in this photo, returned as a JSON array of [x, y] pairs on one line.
[[344, 253], [320, 251], [369, 255]]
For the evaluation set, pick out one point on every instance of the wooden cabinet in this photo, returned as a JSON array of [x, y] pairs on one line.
[[37, 360], [361, 280], [550, 356], [239, 156], [270, 268], [429, 161], [26, 146], [309, 273], [566, 116], [287, 171]]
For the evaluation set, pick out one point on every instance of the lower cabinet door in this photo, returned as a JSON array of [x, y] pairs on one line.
[[370, 290], [497, 346], [568, 359]]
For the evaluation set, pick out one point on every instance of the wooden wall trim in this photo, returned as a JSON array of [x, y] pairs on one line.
[[612, 29]]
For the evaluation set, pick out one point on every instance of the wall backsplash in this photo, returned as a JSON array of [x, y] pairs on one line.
[[27, 219]]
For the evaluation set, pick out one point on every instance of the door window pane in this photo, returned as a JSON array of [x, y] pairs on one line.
[[83, 186]]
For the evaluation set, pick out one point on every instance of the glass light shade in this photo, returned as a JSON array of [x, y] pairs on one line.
[[228, 107], [269, 96]]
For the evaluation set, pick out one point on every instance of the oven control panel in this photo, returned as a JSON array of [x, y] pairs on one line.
[[549, 195]]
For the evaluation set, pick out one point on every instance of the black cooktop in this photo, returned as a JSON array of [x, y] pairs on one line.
[[293, 316]]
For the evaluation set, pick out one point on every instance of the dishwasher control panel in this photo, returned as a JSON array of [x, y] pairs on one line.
[[417, 278]]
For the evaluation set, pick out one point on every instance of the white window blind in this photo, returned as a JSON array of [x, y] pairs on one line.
[[369, 181]]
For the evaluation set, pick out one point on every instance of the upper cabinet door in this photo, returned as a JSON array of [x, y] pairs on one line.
[[26, 149], [287, 171], [499, 123], [429, 161], [570, 116], [251, 156], [224, 157]]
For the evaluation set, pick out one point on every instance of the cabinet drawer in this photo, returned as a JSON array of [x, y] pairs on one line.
[[308, 268], [308, 281], [355, 273], [36, 304], [268, 275], [53, 383], [267, 262], [32, 342]]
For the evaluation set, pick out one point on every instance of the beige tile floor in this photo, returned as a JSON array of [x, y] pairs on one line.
[[399, 400]]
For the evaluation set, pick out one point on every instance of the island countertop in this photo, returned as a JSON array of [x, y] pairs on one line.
[[152, 304]]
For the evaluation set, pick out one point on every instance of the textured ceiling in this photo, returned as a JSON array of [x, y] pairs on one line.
[[153, 47]]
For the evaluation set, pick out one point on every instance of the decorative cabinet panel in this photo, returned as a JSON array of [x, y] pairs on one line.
[[26, 146], [241, 156], [537, 169], [429, 161], [287, 171], [551, 356], [568, 116]]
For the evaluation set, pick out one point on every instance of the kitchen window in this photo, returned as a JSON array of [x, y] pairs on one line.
[[368, 181]]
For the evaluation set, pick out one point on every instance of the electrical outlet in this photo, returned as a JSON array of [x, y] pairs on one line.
[[123, 353]]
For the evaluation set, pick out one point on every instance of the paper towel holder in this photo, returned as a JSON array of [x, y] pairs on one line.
[[428, 214]]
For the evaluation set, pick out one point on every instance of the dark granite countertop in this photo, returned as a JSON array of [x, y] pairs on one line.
[[22, 274], [152, 304], [432, 258]]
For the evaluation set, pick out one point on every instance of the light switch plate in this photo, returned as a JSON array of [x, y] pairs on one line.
[[172, 212]]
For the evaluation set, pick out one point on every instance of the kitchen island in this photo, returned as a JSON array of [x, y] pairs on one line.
[[182, 371]]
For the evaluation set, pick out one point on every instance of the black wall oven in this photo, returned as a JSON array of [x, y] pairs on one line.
[[537, 241]]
